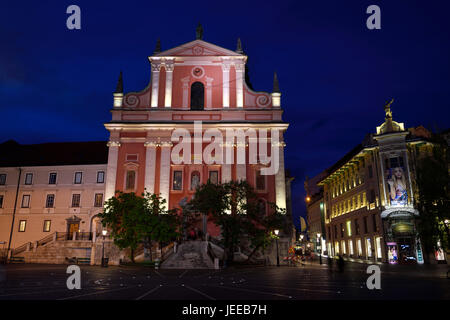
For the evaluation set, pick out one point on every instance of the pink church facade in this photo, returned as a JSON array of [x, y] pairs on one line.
[[192, 85]]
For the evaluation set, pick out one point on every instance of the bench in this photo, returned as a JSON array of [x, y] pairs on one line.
[[17, 260], [83, 260]]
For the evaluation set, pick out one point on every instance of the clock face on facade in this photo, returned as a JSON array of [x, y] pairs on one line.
[[198, 72]]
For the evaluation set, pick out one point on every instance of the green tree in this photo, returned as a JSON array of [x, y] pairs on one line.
[[133, 220], [162, 225], [123, 216], [235, 207], [433, 183]]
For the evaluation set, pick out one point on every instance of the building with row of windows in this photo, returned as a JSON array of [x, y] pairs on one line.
[[368, 210], [50, 187]]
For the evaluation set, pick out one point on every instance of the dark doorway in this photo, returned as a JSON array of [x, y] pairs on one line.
[[197, 96]]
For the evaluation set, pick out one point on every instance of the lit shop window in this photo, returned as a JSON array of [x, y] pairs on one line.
[[350, 246], [177, 180], [369, 248], [22, 225], [336, 246], [378, 242], [343, 247], [359, 246]]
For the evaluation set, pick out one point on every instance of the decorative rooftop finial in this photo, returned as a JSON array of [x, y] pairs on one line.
[[119, 88], [387, 109], [158, 46], [239, 46], [199, 32], [276, 86]]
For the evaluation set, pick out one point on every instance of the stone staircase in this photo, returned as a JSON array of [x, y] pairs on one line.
[[63, 248], [191, 255]]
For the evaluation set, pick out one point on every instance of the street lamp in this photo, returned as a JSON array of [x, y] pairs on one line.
[[320, 251], [104, 263], [276, 240]]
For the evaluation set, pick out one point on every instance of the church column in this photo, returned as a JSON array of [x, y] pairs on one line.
[[209, 92], [227, 161], [241, 167], [240, 85], [164, 176], [280, 180], [111, 169], [155, 84], [169, 75], [150, 166], [226, 84]]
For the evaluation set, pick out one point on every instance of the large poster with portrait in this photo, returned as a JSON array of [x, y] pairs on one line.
[[396, 181]]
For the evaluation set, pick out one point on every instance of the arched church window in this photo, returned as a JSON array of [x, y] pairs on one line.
[[197, 96], [195, 180]]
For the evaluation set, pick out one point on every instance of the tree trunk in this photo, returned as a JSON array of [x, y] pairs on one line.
[[132, 255]]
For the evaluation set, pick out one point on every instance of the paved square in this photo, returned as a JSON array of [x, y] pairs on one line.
[[311, 282]]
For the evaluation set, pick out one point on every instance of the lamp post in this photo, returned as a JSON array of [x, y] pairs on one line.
[[104, 264], [276, 240], [320, 251]]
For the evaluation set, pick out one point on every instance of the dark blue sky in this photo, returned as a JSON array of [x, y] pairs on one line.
[[335, 74]]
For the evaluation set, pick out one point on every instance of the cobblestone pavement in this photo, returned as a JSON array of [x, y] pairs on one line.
[[311, 282]]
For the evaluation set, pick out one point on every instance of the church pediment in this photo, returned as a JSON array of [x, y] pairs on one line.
[[197, 48]]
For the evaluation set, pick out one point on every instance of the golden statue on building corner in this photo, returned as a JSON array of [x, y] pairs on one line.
[[387, 109]]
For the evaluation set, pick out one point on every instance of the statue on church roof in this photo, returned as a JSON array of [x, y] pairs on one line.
[[199, 32], [387, 109]]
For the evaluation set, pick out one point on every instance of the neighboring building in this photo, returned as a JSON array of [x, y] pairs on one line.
[[61, 189], [315, 214], [192, 83], [369, 196]]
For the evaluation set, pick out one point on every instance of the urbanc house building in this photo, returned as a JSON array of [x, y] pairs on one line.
[[363, 207], [197, 91]]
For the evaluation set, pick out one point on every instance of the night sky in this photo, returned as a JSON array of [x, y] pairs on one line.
[[335, 75]]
